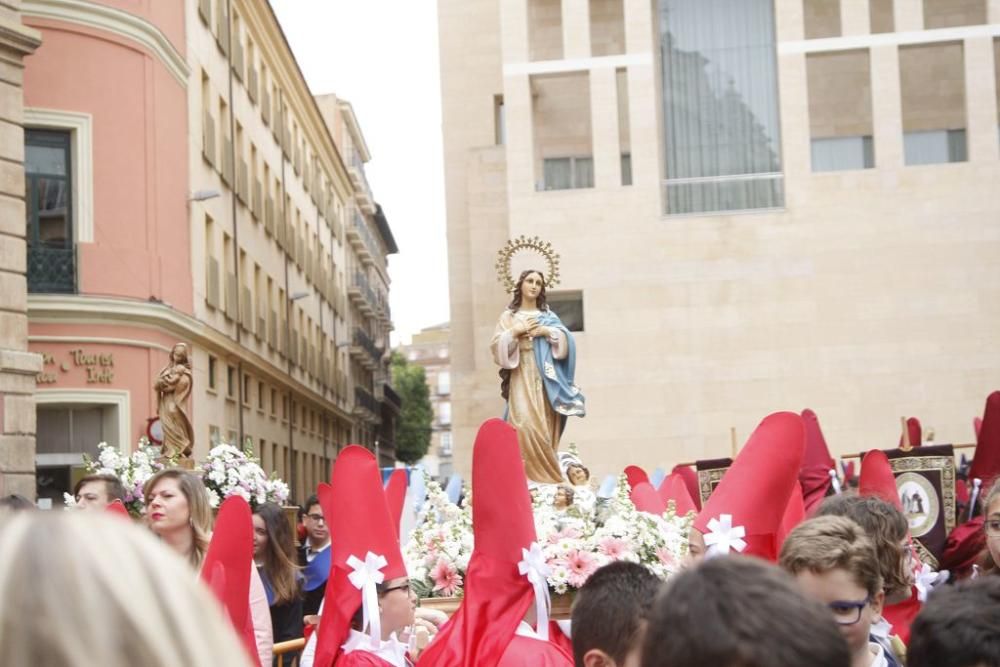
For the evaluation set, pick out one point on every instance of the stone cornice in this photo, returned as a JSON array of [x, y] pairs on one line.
[[57, 308], [19, 38], [109, 19]]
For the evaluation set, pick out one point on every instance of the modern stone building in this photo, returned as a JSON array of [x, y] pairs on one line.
[[429, 349], [760, 205], [184, 185]]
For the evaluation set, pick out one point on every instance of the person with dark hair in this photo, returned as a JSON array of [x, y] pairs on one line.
[[609, 613], [736, 611], [959, 626], [314, 557], [274, 555], [537, 359], [98, 491], [15, 502]]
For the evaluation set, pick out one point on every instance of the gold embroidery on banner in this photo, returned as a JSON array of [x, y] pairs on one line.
[[943, 464]]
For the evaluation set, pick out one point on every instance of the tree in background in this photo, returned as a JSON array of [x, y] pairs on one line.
[[413, 431]]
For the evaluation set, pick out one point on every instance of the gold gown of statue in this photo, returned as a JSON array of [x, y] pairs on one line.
[[528, 407]]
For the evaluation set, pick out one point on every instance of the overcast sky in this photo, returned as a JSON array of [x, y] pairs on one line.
[[382, 56]]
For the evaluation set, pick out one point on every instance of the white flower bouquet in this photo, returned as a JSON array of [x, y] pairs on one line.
[[576, 539], [132, 469], [230, 471]]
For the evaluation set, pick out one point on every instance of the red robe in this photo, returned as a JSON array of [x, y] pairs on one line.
[[362, 659], [527, 652]]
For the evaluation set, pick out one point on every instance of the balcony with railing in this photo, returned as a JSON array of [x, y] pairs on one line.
[[365, 349], [391, 398], [361, 293], [363, 192], [51, 270], [365, 405], [361, 238]]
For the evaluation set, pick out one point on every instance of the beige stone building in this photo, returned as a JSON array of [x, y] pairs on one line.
[[17, 366], [760, 205], [185, 185], [429, 349]]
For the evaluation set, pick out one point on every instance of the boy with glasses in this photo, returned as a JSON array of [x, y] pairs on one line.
[[314, 557], [835, 563]]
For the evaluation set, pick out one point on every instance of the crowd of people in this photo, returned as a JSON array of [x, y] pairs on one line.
[[838, 586]]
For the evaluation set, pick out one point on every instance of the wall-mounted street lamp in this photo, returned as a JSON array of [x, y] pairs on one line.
[[203, 195]]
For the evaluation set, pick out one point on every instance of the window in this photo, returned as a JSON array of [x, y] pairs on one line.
[[260, 396], [499, 122], [444, 383], [951, 13], [840, 110], [212, 363], [720, 106], [566, 173], [246, 389], [607, 27], [214, 435], [445, 444], [821, 18], [274, 402], [49, 207], [562, 131], [880, 14], [624, 140], [569, 307], [444, 413], [230, 381], [933, 107], [545, 37]]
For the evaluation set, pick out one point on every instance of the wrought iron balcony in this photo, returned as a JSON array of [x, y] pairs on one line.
[[51, 270]]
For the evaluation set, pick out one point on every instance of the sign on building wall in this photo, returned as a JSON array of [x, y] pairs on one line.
[[98, 366]]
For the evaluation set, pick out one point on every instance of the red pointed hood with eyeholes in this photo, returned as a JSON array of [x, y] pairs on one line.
[[395, 494], [986, 461], [816, 464], [496, 595], [913, 432], [646, 499], [674, 488], [228, 566], [877, 478], [635, 475], [756, 488], [358, 515], [690, 478]]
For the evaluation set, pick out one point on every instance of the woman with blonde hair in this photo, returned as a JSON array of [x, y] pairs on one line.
[[179, 512], [70, 587]]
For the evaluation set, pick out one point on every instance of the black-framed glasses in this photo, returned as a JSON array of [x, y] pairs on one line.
[[401, 587], [992, 527], [847, 612], [316, 517]]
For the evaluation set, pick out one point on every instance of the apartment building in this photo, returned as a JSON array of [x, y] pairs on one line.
[[759, 204], [429, 349], [185, 185]]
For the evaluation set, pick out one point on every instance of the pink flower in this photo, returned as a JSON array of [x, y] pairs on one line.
[[446, 578], [568, 533], [614, 548], [581, 565], [666, 557]]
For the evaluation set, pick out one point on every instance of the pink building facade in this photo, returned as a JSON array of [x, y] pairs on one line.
[[126, 210]]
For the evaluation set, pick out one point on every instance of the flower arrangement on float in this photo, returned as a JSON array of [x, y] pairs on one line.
[[227, 471], [578, 535], [230, 471], [132, 469]]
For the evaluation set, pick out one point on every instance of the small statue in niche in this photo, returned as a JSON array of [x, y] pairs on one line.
[[173, 387]]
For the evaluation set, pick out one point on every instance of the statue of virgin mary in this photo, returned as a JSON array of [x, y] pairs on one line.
[[537, 358]]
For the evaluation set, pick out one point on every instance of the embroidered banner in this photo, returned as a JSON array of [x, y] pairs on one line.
[[710, 472], [925, 480]]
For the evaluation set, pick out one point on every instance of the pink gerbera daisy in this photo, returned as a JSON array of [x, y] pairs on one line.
[[568, 533], [614, 548], [580, 565], [446, 578]]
